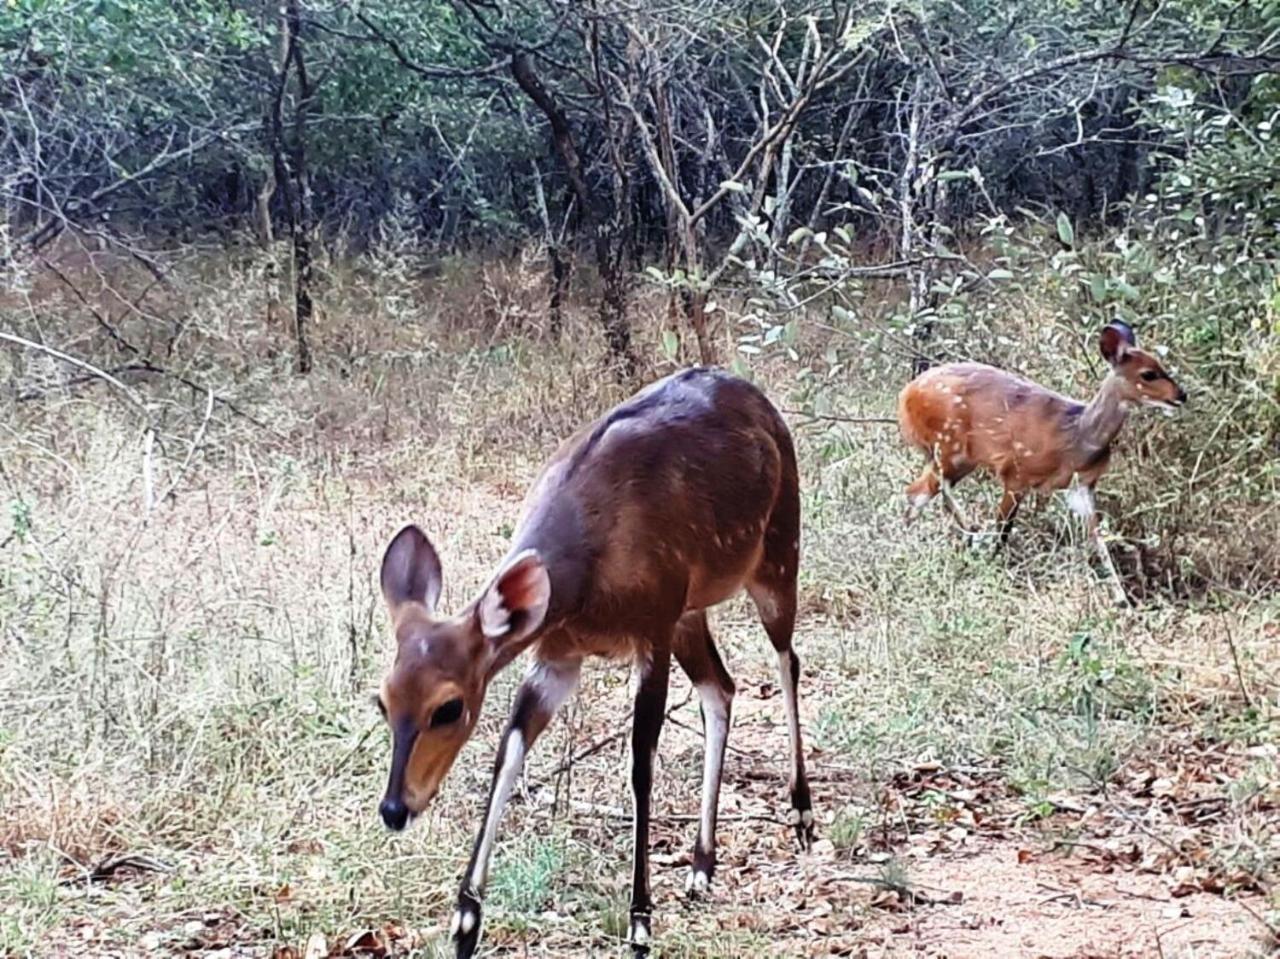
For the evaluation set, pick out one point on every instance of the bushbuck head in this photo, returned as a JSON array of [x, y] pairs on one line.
[[1144, 378], [431, 699]]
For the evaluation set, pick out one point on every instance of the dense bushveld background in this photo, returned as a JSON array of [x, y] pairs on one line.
[[279, 277]]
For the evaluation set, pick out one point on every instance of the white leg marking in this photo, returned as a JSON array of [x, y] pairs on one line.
[[919, 500], [511, 764], [697, 883], [1081, 501], [553, 681], [715, 710], [789, 697], [639, 933]]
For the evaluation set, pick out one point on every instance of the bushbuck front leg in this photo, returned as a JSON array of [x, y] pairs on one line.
[[1083, 503], [652, 672], [545, 687], [696, 653]]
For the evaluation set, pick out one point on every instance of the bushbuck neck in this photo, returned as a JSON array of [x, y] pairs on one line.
[[1103, 417]]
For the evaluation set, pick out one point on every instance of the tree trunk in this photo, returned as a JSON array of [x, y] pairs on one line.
[[613, 313], [555, 256], [302, 225], [913, 188], [266, 243]]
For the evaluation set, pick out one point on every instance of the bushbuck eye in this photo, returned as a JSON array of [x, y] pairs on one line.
[[1150, 375], [447, 714]]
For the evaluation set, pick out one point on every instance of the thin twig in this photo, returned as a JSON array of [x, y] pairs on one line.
[[837, 418], [1235, 659], [195, 444], [81, 364]]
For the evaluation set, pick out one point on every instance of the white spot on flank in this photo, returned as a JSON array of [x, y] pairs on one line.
[[806, 817], [468, 922], [639, 933], [456, 924], [793, 816]]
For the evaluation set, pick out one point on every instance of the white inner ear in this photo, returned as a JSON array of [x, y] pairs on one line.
[[532, 599], [495, 618]]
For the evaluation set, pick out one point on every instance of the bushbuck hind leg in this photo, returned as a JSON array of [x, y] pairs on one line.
[[1007, 510], [545, 687], [773, 590], [922, 491], [696, 653], [652, 671], [939, 477], [952, 473]]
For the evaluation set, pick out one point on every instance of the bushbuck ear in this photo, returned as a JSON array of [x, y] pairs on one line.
[[1115, 341], [515, 603], [411, 570]]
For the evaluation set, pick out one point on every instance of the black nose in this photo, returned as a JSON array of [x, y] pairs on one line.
[[1182, 396], [394, 813]]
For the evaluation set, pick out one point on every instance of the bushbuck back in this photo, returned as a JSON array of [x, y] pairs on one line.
[[967, 416], [673, 502]]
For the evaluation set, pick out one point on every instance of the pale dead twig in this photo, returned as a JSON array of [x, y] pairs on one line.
[[78, 363], [195, 444], [617, 812], [837, 418], [613, 737]]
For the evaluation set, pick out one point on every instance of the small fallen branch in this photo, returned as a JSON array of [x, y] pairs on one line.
[[837, 418], [106, 869]]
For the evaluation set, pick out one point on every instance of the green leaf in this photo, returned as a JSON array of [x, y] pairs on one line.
[[798, 234], [1098, 287], [1000, 274], [733, 185], [670, 345], [1066, 233], [1127, 290], [949, 175]]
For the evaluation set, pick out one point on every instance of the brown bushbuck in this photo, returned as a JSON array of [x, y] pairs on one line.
[[965, 416], [671, 503]]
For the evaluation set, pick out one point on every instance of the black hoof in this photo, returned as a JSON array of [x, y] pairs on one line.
[[802, 823], [703, 867], [641, 933], [465, 928]]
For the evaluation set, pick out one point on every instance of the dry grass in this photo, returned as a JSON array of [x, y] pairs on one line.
[[189, 761]]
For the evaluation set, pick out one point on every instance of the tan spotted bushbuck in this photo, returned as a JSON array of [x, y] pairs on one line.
[[968, 416], [671, 503]]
